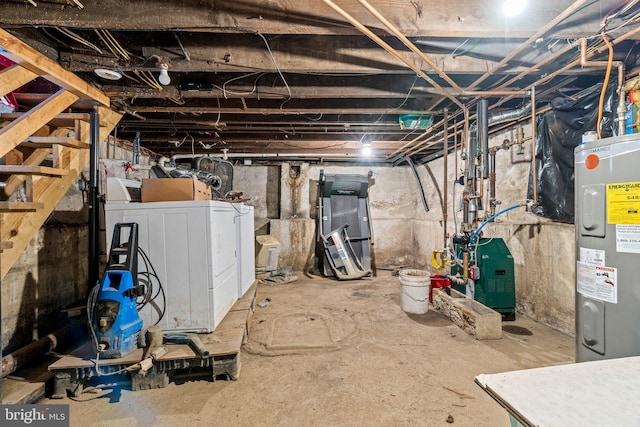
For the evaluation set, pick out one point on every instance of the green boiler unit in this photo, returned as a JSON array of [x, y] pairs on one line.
[[492, 277]]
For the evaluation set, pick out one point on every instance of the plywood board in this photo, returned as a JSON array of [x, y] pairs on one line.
[[227, 339]]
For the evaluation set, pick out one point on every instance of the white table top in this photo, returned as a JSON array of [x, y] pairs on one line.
[[603, 393]]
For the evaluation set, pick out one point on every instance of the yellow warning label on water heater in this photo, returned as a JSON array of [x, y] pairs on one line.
[[623, 203]]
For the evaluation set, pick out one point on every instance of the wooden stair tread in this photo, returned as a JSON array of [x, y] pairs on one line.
[[20, 206], [31, 170], [49, 141], [5, 244]]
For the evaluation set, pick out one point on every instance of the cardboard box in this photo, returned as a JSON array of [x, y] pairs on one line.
[[174, 189]]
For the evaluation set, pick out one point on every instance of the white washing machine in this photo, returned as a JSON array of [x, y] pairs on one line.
[[192, 246]]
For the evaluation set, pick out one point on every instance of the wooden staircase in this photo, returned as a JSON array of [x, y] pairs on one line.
[[43, 150]]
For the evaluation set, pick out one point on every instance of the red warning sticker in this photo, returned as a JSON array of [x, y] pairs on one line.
[[592, 161]]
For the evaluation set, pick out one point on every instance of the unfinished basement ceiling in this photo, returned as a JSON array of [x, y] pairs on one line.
[[299, 80]]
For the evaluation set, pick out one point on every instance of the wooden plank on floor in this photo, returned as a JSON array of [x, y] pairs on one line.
[[5, 244], [227, 339], [247, 302], [21, 393], [19, 207], [31, 170]]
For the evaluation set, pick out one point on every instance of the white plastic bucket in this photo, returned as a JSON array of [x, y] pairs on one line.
[[414, 296]]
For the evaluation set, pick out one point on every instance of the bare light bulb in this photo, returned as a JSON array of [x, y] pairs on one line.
[[366, 150], [164, 78], [513, 7]]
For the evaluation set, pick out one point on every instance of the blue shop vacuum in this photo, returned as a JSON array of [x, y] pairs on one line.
[[115, 322]]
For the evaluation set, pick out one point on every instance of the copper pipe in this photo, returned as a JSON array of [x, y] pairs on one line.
[[431, 138], [554, 74], [494, 92], [465, 209], [492, 180], [394, 30], [583, 56], [553, 88], [551, 76], [561, 17], [622, 109], [455, 150], [445, 188], [589, 55], [534, 130], [537, 66], [465, 134], [391, 50], [424, 134], [465, 266]]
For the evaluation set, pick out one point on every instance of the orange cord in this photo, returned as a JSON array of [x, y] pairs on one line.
[[606, 83]]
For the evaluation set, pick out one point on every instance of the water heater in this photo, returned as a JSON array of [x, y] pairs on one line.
[[607, 195]]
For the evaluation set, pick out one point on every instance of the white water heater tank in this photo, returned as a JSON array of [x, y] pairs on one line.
[[607, 196]]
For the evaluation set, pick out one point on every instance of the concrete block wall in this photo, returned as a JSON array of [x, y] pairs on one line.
[[51, 274]]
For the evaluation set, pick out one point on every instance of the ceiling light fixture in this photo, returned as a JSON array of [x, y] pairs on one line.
[[108, 74], [164, 78], [513, 7]]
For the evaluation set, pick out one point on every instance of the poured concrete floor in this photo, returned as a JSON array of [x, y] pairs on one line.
[[328, 353]]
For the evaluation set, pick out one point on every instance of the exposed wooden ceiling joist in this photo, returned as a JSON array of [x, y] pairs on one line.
[[255, 72]]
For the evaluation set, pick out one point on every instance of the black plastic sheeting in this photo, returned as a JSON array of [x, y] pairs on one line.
[[559, 132]]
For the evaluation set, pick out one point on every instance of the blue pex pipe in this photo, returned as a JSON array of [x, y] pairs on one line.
[[475, 233]]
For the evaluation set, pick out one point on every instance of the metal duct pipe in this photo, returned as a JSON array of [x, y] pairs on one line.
[[507, 116], [94, 211], [471, 149], [483, 134]]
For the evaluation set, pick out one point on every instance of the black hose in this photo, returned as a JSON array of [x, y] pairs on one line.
[[415, 173]]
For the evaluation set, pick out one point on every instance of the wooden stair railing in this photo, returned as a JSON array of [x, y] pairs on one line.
[[43, 150]]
